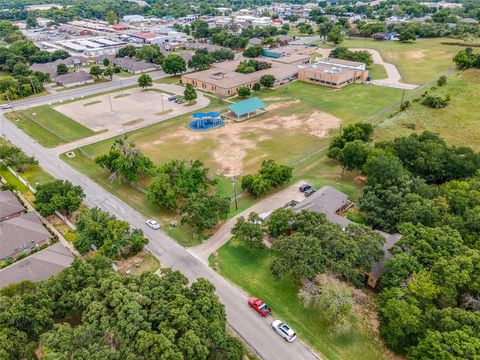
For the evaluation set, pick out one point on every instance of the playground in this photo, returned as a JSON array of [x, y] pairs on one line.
[[122, 110], [206, 121]]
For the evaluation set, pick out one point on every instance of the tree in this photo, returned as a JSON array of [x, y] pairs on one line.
[[244, 91], [126, 161], [59, 54], [96, 71], [111, 17], [106, 62], [256, 87], [280, 222], [200, 29], [442, 80], [148, 53], [203, 211], [127, 51], [21, 69], [271, 175], [174, 64], [31, 22], [108, 72], [267, 81], [175, 181], [145, 81], [353, 155], [458, 344], [16, 158], [62, 69], [398, 269], [382, 167], [253, 51], [58, 195], [407, 34], [189, 94], [249, 230], [335, 36], [201, 60], [436, 101]]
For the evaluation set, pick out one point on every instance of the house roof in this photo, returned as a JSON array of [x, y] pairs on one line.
[[38, 266], [146, 35], [132, 64], [247, 106], [255, 41], [9, 204], [20, 233], [73, 77]]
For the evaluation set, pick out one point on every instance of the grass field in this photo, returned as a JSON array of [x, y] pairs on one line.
[[418, 62], [457, 123], [377, 72], [250, 270], [49, 127]]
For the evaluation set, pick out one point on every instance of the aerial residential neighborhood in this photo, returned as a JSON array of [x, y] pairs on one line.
[[239, 180]]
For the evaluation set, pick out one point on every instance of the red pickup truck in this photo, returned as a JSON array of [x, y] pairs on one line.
[[259, 306]]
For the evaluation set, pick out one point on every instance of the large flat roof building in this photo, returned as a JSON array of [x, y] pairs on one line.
[[333, 72]]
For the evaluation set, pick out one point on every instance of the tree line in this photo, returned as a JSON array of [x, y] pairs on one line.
[[89, 311]]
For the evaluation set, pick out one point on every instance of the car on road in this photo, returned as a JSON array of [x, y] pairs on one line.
[[304, 187], [153, 224], [309, 192], [6, 106], [259, 306], [171, 98], [284, 330]]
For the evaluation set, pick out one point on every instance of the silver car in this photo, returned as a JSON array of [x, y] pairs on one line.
[[284, 330], [153, 224]]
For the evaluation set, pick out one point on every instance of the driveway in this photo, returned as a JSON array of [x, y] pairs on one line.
[[394, 78], [253, 329], [269, 204]]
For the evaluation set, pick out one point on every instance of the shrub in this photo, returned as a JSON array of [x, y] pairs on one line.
[[436, 101]]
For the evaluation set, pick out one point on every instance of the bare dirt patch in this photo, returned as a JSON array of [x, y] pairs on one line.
[[415, 54], [282, 105], [235, 140]]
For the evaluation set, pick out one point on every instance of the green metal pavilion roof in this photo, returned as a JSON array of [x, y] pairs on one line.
[[247, 106]]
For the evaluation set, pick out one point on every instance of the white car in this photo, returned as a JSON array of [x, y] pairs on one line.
[[153, 224], [284, 330], [6, 106]]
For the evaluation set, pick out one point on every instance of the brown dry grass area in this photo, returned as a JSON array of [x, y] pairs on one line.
[[235, 140]]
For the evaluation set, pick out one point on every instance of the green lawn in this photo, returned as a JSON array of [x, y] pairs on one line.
[[168, 80], [418, 62], [377, 72], [457, 123], [249, 269], [353, 103], [49, 127]]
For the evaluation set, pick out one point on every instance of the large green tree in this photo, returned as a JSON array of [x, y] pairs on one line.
[[203, 211], [58, 195], [174, 64]]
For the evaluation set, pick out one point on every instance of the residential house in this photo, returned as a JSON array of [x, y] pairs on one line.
[[74, 79], [38, 266], [9, 205], [50, 68], [134, 66], [332, 203], [22, 234]]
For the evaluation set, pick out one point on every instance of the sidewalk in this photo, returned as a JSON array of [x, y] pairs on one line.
[[271, 203]]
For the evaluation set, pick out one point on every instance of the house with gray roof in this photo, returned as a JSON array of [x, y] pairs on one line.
[[50, 68], [74, 79], [331, 202], [38, 266], [134, 66], [255, 41], [9, 205], [22, 234]]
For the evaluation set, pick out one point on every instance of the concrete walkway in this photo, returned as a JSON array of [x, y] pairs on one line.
[[271, 203], [202, 101], [394, 78]]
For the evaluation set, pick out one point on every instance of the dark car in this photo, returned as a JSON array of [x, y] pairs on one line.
[[304, 187], [171, 98], [309, 192]]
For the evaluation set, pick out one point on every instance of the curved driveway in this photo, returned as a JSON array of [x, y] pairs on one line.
[[393, 75]]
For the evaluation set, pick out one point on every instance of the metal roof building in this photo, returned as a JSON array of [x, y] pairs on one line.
[[247, 107]]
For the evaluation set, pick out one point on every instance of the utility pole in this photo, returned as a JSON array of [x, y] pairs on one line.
[[235, 190], [401, 102], [110, 99], [33, 86], [162, 102]]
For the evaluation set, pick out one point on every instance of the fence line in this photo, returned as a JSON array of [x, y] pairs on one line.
[[33, 190], [44, 127]]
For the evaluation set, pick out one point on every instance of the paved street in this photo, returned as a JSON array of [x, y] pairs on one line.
[[254, 330], [117, 83]]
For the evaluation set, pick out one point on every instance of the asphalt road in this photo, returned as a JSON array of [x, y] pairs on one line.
[[117, 83], [253, 329]]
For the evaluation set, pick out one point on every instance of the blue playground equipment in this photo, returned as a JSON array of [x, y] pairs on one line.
[[206, 121]]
